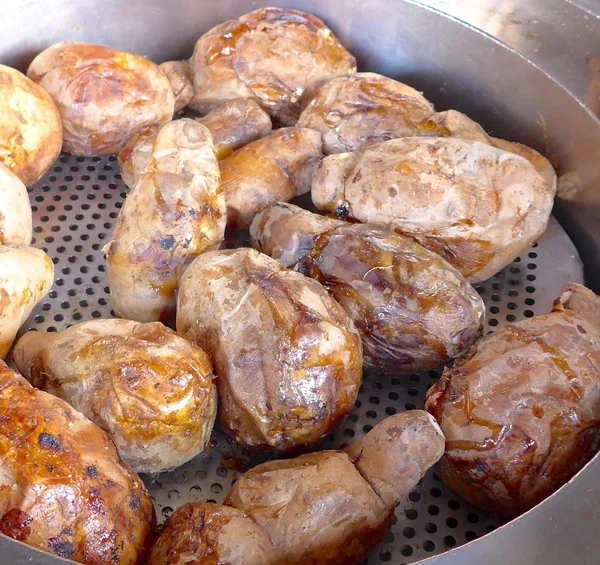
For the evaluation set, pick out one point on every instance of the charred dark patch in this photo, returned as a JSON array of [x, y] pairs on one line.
[[15, 524], [61, 548], [50, 468], [134, 501], [581, 329], [92, 472], [167, 243], [49, 442]]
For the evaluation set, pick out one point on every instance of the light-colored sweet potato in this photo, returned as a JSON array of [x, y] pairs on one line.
[[150, 390], [103, 96], [15, 210], [179, 75]]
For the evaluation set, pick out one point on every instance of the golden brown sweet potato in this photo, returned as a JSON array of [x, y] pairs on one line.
[[103, 96], [275, 56], [63, 488], [361, 109], [276, 168], [331, 507], [30, 127], [288, 359], [212, 533], [475, 205], [180, 77], [175, 211], [414, 311], [236, 123], [26, 276], [15, 210], [148, 388], [521, 413]]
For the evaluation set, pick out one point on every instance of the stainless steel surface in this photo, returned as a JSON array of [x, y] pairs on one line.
[[561, 36], [455, 66]]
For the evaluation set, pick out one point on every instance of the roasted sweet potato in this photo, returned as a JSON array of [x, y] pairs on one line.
[[179, 75], [15, 210], [175, 211], [331, 507], [361, 109], [477, 206], [63, 488], [236, 123], [288, 359], [212, 533], [30, 127], [275, 56], [521, 413], [276, 168], [26, 276], [150, 390], [414, 311], [103, 96]]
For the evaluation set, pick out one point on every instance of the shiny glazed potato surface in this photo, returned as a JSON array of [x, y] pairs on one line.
[[63, 488], [175, 211], [521, 413], [275, 56], [30, 127], [288, 359], [148, 388], [103, 96], [414, 311]]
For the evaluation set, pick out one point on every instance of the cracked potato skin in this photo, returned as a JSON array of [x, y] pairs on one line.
[[413, 310], [150, 390], [211, 534], [30, 127], [276, 168], [63, 488], [175, 211], [277, 57], [521, 413], [475, 205], [288, 359], [103, 96], [360, 109]]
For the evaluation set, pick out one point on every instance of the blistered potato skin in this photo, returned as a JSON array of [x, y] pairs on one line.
[[521, 413], [413, 310], [361, 109], [236, 123], [276, 168], [30, 127], [294, 500], [26, 276], [180, 78], [15, 210], [473, 204], [63, 488], [150, 390], [275, 56], [103, 96], [211, 533], [288, 359], [175, 211]]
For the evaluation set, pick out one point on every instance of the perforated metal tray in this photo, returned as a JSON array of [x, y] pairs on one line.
[[74, 209]]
